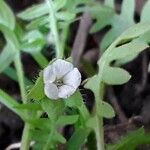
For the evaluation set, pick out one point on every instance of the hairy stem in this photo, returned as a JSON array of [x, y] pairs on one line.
[[20, 75], [54, 29], [25, 142]]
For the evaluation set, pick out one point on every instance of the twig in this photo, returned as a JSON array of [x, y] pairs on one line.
[[117, 107], [133, 122], [81, 37]]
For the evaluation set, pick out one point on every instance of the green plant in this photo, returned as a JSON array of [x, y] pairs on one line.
[[52, 19]]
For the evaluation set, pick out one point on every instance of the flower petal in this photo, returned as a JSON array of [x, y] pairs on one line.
[[49, 74], [65, 91], [62, 67], [51, 91], [73, 78]]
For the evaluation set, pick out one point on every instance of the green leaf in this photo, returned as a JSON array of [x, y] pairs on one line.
[[9, 36], [132, 140], [119, 23], [145, 12], [106, 110], [38, 22], [7, 56], [32, 36], [33, 42], [126, 50], [28, 107], [75, 100], [54, 108], [58, 137], [110, 3], [40, 123], [93, 81], [6, 15], [126, 60], [91, 122], [37, 91], [145, 37], [34, 12], [102, 15], [67, 120], [33, 47], [10, 103], [11, 73], [40, 59], [72, 5], [115, 76], [65, 15], [135, 31], [39, 10], [39, 136], [77, 139]]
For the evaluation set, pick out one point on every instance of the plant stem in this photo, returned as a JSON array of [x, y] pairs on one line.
[[20, 75], [64, 36], [99, 129], [99, 132], [48, 143], [40, 59], [25, 142], [54, 29]]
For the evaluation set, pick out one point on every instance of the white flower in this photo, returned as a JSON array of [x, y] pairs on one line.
[[61, 79]]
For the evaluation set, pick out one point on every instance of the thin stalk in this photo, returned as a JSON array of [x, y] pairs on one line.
[[40, 59], [54, 29], [20, 75], [99, 132], [84, 112], [65, 35], [25, 142], [99, 129]]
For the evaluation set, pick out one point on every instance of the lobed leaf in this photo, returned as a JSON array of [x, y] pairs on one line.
[[7, 56], [6, 15], [53, 108], [28, 106], [59, 138], [102, 15], [37, 91], [10, 36], [40, 10], [126, 50], [67, 120], [145, 12], [106, 111], [119, 22], [10, 103], [135, 31], [77, 139]]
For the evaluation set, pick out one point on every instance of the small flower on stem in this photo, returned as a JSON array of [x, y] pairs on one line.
[[61, 79]]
